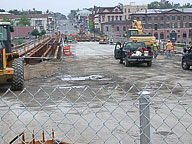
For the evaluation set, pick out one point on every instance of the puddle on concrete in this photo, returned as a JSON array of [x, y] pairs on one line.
[[83, 78], [164, 133]]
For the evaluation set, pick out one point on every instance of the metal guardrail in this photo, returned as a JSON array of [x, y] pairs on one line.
[[108, 114]]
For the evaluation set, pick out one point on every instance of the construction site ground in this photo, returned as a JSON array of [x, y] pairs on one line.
[[92, 59]]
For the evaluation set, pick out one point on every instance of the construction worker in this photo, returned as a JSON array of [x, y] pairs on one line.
[[169, 48], [155, 49]]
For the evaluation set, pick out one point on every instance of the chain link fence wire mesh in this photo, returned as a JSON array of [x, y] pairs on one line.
[[109, 114]]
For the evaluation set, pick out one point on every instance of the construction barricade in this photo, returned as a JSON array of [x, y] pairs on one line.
[[67, 50]]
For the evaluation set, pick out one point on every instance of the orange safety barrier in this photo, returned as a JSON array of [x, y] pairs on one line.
[[67, 50]]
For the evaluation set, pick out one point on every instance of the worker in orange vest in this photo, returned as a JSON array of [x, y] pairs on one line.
[[169, 47]]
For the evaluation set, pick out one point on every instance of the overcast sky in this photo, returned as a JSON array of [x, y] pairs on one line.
[[64, 6]]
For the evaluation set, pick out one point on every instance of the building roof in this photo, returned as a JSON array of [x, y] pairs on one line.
[[157, 11], [106, 9]]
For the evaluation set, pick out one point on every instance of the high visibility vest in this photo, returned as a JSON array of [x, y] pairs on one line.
[[155, 47], [169, 46]]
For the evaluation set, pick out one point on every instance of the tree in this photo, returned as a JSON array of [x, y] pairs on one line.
[[15, 12], [24, 21], [6, 19], [92, 26], [43, 32], [35, 33], [2, 10]]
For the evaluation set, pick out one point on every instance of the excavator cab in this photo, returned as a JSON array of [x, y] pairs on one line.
[[11, 66]]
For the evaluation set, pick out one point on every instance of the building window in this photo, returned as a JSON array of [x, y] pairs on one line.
[[143, 18], [155, 26], [178, 36], [120, 18], [168, 18], [162, 26], [162, 18], [167, 36], [125, 17], [184, 17], [125, 10], [116, 18], [178, 30], [167, 30], [112, 18], [184, 35], [168, 26], [137, 18], [150, 26], [178, 18], [107, 28], [149, 18], [129, 11], [156, 35], [190, 33], [103, 18], [117, 28], [161, 35], [178, 25], [108, 18], [155, 18], [190, 17], [124, 28], [173, 17], [143, 26], [190, 25]]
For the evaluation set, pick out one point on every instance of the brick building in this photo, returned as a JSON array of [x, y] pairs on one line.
[[164, 24], [106, 14], [116, 28], [38, 21]]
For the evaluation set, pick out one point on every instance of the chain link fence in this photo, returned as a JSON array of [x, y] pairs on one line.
[[156, 113]]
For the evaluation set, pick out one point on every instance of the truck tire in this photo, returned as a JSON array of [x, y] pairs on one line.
[[149, 64], [121, 61], [18, 76], [127, 63], [185, 66]]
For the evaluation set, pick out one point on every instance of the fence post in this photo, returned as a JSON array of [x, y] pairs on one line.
[[144, 109]]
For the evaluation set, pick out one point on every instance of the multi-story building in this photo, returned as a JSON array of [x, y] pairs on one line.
[[132, 8], [83, 15], [164, 24], [38, 21], [115, 20], [106, 14]]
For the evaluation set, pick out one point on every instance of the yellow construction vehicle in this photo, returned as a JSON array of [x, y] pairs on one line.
[[136, 32], [11, 66]]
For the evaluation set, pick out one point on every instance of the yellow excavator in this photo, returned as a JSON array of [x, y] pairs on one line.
[[136, 32], [11, 66]]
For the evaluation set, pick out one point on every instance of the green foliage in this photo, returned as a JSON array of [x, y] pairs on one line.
[[18, 41], [43, 32], [24, 21], [2, 10], [15, 12], [92, 26], [6, 19], [167, 5], [35, 33]]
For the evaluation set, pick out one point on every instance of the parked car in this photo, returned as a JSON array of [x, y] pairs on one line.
[[133, 52], [187, 59]]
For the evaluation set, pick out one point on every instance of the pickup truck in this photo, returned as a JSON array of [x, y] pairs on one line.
[[187, 59], [133, 52]]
